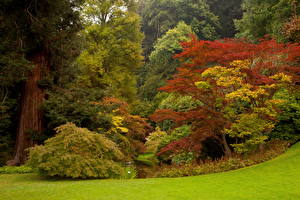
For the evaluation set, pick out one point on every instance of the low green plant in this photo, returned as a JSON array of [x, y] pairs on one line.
[[148, 159], [183, 158], [130, 173], [77, 153], [16, 169]]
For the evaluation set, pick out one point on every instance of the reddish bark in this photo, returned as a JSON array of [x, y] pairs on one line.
[[30, 119]]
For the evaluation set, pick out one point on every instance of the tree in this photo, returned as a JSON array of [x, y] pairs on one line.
[[264, 17], [161, 65], [159, 16], [209, 120], [113, 50], [127, 130], [291, 28], [227, 11], [39, 31]]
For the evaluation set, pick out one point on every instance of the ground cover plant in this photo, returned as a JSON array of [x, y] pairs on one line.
[[275, 179]]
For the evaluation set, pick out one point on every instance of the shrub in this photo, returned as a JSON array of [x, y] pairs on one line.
[[15, 170], [183, 158], [273, 149], [77, 153], [130, 173], [176, 134], [288, 125], [154, 139]]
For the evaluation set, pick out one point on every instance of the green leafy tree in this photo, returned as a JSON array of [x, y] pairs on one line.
[[113, 48], [159, 16], [161, 65]]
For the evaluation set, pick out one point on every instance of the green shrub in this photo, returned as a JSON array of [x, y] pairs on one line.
[[130, 173], [288, 125], [154, 139], [183, 158], [77, 153], [15, 170], [176, 134]]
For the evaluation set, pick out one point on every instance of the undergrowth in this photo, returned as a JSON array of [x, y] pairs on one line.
[[224, 164]]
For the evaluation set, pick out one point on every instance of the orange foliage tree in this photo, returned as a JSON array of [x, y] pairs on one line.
[[133, 127]]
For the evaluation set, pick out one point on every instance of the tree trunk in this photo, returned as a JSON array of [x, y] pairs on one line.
[[227, 150], [30, 119]]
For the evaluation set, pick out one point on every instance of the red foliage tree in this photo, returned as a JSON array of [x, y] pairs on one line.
[[267, 57]]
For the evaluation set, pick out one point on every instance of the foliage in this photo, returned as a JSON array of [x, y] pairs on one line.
[[128, 131], [183, 158], [291, 29], [227, 91], [77, 153], [179, 103], [161, 65], [15, 170], [274, 149], [148, 159], [288, 124], [227, 11], [264, 17], [159, 16], [7, 114], [73, 104], [113, 50], [246, 105], [130, 173], [154, 140], [176, 134]]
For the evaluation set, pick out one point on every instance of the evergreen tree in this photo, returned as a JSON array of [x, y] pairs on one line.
[[227, 11], [35, 32], [262, 17]]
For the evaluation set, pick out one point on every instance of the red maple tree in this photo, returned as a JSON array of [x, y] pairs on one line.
[[267, 57]]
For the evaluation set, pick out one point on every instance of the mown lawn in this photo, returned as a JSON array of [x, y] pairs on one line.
[[276, 179]]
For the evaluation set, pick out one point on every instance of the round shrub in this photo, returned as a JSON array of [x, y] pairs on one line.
[[77, 153]]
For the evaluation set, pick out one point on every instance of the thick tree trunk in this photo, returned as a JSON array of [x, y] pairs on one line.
[[30, 119], [227, 150]]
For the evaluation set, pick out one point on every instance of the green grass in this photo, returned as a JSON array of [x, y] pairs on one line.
[[276, 179]]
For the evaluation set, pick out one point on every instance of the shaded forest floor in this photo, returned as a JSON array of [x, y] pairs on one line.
[[275, 179]]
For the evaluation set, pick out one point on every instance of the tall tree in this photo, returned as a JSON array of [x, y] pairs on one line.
[[227, 11], [161, 65], [263, 17], [113, 49], [38, 31], [161, 15]]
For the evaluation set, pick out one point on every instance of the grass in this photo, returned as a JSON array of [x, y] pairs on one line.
[[275, 179]]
